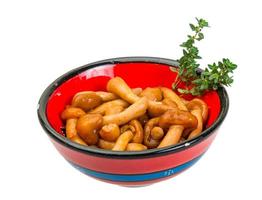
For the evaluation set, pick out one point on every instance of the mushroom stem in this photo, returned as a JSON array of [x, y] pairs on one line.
[[198, 104], [135, 147], [172, 137], [170, 94], [114, 110], [105, 107], [78, 140], [71, 128], [122, 141], [119, 87], [103, 144], [153, 94], [198, 114], [132, 112]]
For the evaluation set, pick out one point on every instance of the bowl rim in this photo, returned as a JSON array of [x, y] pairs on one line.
[[42, 105]]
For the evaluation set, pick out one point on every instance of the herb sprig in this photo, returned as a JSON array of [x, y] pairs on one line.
[[211, 77]]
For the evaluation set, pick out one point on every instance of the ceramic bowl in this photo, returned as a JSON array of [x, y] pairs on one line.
[[126, 168]]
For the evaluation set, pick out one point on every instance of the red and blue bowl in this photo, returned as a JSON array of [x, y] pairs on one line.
[[126, 168]]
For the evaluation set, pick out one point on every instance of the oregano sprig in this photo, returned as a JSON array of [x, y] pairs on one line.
[[211, 77]]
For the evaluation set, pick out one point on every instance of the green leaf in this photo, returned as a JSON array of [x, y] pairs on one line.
[[192, 27], [202, 23], [200, 36]]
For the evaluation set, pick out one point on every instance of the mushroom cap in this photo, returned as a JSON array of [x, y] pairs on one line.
[[153, 94], [88, 126], [177, 117], [197, 103], [86, 101]]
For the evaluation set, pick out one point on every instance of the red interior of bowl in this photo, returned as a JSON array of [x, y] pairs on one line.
[[135, 74]]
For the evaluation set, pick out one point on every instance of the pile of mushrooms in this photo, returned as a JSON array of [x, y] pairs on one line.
[[125, 119]]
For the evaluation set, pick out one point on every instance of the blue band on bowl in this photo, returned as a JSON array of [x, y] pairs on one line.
[[137, 177]]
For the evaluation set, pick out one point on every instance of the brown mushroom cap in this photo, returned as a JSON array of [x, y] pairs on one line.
[[88, 126], [153, 94], [157, 133], [110, 132], [197, 103], [155, 109], [177, 117], [170, 94], [86, 101], [169, 102], [71, 112]]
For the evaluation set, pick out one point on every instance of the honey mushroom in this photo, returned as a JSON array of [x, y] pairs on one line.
[[177, 117], [153, 133], [170, 94], [71, 112], [71, 127], [137, 91], [88, 126], [114, 110], [200, 110], [198, 114], [157, 133], [135, 147], [136, 128], [78, 140], [169, 102], [105, 96], [119, 87], [103, 144], [153, 94], [184, 101], [71, 132], [86, 101], [176, 120], [132, 112], [172, 137], [106, 107], [108, 96], [122, 141], [197, 103], [110, 132], [155, 109]]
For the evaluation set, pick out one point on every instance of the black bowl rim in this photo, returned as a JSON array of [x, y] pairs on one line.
[[41, 111]]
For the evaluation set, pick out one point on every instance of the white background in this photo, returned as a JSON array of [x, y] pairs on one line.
[[41, 40]]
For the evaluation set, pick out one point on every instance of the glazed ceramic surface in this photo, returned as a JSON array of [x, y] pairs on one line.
[[126, 168]]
